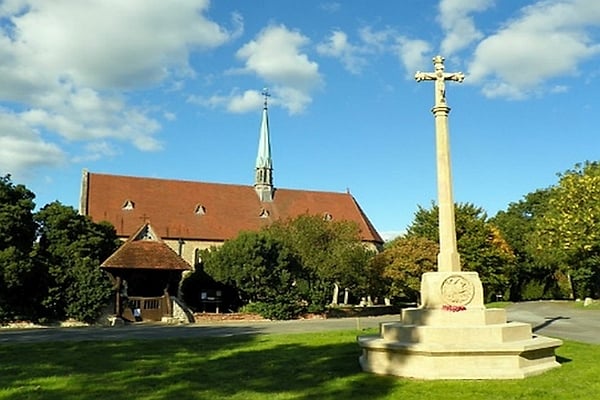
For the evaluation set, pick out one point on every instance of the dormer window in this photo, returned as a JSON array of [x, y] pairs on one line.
[[264, 213], [200, 209], [327, 217], [128, 205]]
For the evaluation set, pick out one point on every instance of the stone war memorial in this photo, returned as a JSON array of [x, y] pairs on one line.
[[451, 334]]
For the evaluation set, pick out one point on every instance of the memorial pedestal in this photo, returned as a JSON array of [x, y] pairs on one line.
[[453, 336]]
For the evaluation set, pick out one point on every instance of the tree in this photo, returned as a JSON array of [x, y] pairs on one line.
[[262, 269], [70, 249], [481, 246], [330, 252], [18, 278], [403, 261], [532, 277], [569, 231]]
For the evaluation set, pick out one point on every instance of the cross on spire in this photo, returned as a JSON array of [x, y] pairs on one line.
[[266, 95], [263, 181]]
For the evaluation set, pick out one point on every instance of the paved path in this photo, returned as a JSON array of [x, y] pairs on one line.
[[558, 319], [549, 318], [210, 329]]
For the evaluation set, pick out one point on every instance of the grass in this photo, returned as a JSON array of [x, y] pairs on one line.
[[594, 306], [498, 304], [298, 366]]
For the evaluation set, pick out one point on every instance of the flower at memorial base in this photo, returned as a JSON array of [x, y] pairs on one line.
[[451, 308]]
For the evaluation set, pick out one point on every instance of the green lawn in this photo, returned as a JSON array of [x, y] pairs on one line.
[[498, 304], [594, 306], [300, 366]]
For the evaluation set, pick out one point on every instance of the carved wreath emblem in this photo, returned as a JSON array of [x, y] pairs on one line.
[[456, 290]]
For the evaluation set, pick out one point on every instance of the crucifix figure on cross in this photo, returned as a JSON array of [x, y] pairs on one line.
[[439, 76], [448, 258]]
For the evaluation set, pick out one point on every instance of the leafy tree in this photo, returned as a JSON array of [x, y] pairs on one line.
[[71, 248], [262, 269], [569, 231], [481, 246], [330, 252], [293, 265], [403, 262], [17, 228], [532, 277], [18, 283]]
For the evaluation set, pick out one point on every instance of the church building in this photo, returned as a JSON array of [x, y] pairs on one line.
[[190, 216]]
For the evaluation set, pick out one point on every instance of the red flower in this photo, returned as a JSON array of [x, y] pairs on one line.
[[452, 308]]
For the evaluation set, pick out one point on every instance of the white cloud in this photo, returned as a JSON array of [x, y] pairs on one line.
[[96, 151], [388, 236], [276, 56], [338, 46], [295, 100], [549, 39], [375, 41], [169, 116], [22, 148], [331, 7], [250, 100], [414, 54], [458, 25], [235, 102], [64, 63], [112, 43], [354, 57]]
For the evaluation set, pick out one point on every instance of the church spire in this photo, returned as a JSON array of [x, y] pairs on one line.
[[263, 181]]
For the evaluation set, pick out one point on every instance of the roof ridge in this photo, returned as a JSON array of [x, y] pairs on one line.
[[169, 179], [215, 183]]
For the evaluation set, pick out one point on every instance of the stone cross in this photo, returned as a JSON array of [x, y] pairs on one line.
[[448, 258], [439, 76]]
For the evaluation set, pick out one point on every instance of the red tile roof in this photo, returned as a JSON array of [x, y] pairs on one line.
[[170, 206], [145, 254]]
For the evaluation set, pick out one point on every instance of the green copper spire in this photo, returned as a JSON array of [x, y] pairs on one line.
[[263, 181]]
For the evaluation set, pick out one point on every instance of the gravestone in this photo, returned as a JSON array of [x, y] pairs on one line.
[[451, 335]]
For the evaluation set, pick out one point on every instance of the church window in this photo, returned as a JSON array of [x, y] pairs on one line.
[[197, 256], [200, 209], [327, 216], [264, 213], [128, 205]]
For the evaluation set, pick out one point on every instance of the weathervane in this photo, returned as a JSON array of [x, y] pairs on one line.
[[266, 95]]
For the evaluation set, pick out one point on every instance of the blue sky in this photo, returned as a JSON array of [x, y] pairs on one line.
[[172, 90]]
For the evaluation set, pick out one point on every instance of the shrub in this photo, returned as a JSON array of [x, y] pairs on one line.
[[280, 309]]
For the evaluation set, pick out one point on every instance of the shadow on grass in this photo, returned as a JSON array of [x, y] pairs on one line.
[[248, 366], [563, 360]]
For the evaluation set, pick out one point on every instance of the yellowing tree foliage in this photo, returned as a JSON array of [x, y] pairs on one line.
[[570, 229], [403, 262]]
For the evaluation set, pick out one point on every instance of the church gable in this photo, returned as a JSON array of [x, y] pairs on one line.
[[145, 250], [145, 233]]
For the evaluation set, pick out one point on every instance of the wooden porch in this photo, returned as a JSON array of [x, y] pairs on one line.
[[150, 308]]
